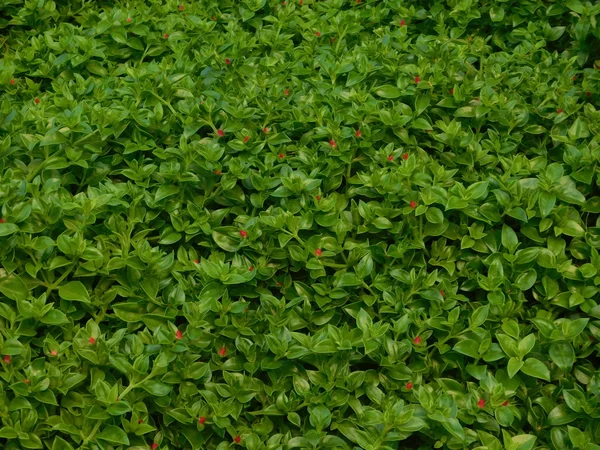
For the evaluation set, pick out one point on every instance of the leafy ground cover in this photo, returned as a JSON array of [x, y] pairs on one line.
[[272, 225]]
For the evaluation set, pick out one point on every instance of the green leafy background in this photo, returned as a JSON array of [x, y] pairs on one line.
[[321, 224]]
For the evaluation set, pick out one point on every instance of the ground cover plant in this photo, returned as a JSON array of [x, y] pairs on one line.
[[304, 224]]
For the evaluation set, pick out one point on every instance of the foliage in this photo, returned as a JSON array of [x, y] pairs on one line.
[[337, 224]]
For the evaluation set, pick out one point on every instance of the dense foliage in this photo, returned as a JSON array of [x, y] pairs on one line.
[[306, 224]]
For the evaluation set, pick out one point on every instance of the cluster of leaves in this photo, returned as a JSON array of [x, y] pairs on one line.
[[303, 224]]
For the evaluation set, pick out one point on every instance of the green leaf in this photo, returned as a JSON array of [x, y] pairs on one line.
[[74, 291], [6, 229], [114, 435], [535, 368], [563, 355], [14, 288], [388, 91]]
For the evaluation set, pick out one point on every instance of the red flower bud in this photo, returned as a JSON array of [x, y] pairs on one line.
[[417, 340], [481, 403], [154, 446], [26, 381], [181, 7], [318, 33], [317, 197], [12, 81], [589, 94], [92, 340], [243, 233], [318, 252], [390, 158], [278, 284], [559, 111], [227, 61], [265, 130], [332, 40], [220, 132], [300, 2], [332, 143], [451, 91], [251, 268], [413, 204], [7, 359], [37, 101], [505, 403], [2, 220], [140, 421], [178, 334], [129, 20], [237, 439], [281, 156], [441, 292], [201, 420], [54, 353], [409, 385], [405, 156], [217, 172], [222, 351], [246, 139], [358, 133], [196, 261], [287, 92], [417, 80], [166, 35], [402, 23]]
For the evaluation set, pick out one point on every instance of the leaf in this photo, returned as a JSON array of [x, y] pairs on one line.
[[156, 388], [74, 291], [563, 355], [14, 288], [535, 368], [6, 229], [114, 435], [388, 91]]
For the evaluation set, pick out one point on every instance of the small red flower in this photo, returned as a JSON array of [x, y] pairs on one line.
[[196, 261], [54, 353], [589, 94], [243, 234], [481, 403], [2, 220], [317, 197], [451, 91], [217, 172], [357, 1], [265, 130], [287, 92], [391, 158], [26, 381], [477, 99], [220, 132], [214, 18], [405, 156], [318, 33], [284, 3], [246, 139], [12, 81], [469, 39], [281, 156], [140, 421], [402, 23], [154, 446], [358, 133], [318, 252], [505, 403], [37, 101], [166, 35], [409, 385], [278, 284], [237, 439], [442, 292], [178, 334], [227, 61], [332, 143], [92, 340], [129, 20], [181, 7], [559, 111], [251, 268], [332, 40], [201, 420], [413, 204], [222, 351], [300, 2], [417, 79], [417, 340], [7, 359]]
